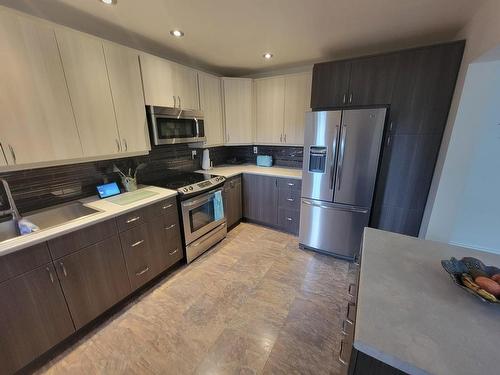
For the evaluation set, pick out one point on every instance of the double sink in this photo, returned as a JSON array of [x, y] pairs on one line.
[[47, 218]]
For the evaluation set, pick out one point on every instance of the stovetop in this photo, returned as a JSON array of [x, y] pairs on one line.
[[186, 182]]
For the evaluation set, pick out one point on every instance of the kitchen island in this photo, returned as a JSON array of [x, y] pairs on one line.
[[411, 316]]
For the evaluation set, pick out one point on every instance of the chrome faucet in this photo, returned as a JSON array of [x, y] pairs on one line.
[[13, 208]]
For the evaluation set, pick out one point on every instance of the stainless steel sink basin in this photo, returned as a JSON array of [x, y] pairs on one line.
[[8, 230], [52, 217]]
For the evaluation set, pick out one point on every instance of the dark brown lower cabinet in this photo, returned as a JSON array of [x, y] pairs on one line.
[[260, 199], [93, 279], [232, 201], [33, 319]]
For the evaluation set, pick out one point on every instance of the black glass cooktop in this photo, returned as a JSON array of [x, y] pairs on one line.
[[177, 179]]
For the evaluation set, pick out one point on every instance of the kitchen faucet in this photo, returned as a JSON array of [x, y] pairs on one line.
[[12, 205]]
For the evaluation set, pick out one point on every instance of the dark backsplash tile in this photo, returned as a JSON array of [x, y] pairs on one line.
[[43, 187]]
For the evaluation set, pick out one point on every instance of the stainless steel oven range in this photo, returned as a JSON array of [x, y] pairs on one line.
[[201, 209]]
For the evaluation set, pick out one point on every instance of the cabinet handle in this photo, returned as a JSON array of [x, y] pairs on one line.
[[170, 227], [349, 305], [349, 289], [118, 146], [350, 97], [285, 138], [344, 98], [173, 252], [50, 275], [133, 219], [180, 106], [125, 144], [345, 323], [290, 199], [65, 273], [167, 206], [342, 360], [290, 184], [175, 101], [142, 272], [390, 127], [13, 153], [289, 219], [281, 138], [137, 243], [389, 140]]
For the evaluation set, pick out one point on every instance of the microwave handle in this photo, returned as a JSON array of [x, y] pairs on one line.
[[197, 127]]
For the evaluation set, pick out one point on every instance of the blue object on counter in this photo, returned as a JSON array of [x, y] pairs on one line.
[[108, 190], [26, 227], [264, 160]]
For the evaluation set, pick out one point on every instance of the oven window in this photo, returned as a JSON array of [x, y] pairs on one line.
[[169, 128], [206, 213]]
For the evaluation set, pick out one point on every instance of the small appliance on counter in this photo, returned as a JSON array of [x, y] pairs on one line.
[[264, 160], [206, 163]]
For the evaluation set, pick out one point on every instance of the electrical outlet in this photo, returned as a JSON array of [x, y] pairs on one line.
[[193, 154], [255, 149]]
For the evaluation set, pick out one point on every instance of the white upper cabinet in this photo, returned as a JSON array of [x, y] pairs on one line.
[[238, 110], [168, 84], [269, 110], [297, 103], [158, 81], [3, 160], [37, 123], [186, 87], [87, 78], [126, 89], [211, 105]]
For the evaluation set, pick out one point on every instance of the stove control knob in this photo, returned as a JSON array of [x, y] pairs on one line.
[[184, 189], [190, 188]]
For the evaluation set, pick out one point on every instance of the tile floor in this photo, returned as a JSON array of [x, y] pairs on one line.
[[255, 304]]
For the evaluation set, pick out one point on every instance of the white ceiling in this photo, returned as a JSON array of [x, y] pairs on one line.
[[230, 36]]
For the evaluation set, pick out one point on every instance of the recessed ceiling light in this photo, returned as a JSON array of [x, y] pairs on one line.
[[109, 2], [177, 33], [267, 56]]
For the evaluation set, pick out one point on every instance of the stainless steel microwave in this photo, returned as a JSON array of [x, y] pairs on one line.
[[174, 125]]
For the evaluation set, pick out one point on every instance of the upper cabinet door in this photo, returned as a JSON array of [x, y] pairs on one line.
[[85, 69], [372, 80], [37, 120], [297, 103], [186, 87], [126, 89], [330, 84], [269, 111], [211, 105], [238, 110], [158, 81]]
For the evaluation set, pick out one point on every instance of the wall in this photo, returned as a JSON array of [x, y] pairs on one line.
[[33, 189], [468, 123]]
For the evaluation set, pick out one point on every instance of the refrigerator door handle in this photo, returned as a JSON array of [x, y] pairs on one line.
[[343, 136], [335, 207], [334, 152]]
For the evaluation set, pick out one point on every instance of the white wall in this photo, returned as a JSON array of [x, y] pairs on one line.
[[462, 160]]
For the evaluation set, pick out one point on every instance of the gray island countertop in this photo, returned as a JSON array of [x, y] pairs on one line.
[[411, 315]]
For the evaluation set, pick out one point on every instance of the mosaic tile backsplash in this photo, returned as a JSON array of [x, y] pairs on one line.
[[44, 187]]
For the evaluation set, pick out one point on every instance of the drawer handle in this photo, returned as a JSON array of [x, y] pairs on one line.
[[167, 206], [289, 219], [291, 184], [131, 220], [170, 227], [290, 199], [142, 272], [50, 275], [137, 243], [342, 360], [65, 273], [349, 290], [173, 252], [345, 323], [349, 305]]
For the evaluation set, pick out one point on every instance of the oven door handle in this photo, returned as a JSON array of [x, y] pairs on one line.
[[205, 199]]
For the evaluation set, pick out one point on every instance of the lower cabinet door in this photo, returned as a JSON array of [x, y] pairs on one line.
[[260, 199], [93, 279], [33, 319]]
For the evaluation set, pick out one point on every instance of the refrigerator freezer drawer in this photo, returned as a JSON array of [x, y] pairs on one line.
[[332, 228]]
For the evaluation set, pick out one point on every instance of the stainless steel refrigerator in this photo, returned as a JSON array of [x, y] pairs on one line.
[[341, 155]]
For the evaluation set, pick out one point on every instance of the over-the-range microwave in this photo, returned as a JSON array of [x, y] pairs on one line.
[[174, 125]]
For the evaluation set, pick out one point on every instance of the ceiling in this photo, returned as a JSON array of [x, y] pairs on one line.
[[230, 36]]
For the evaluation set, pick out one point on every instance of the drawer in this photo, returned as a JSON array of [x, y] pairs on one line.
[[288, 220], [289, 198], [138, 257], [290, 183], [79, 239], [23, 261], [166, 206], [132, 219]]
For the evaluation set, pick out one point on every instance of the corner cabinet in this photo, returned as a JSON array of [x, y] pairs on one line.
[[238, 111], [211, 105], [37, 118]]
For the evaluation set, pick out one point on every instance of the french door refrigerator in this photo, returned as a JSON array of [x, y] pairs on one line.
[[341, 156]]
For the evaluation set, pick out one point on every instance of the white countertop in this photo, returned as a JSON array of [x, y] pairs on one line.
[[107, 211], [412, 316], [234, 170]]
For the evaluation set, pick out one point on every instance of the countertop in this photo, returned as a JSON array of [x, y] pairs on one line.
[[234, 170], [107, 211], [412, 316]]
